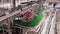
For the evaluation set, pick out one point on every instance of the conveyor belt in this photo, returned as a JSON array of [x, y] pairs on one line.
[[58, 23], [32, 23]]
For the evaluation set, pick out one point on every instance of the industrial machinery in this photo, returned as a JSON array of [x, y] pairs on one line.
[[21, 19], [28, 19]]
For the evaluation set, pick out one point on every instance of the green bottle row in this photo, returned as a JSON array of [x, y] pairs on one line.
[[33, 23]]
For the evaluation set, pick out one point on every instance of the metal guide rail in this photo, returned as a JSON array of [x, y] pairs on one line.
[[52, 29], [57, 24], [47, 26]]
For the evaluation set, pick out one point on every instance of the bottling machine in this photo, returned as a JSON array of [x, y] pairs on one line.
[[21, 19]]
